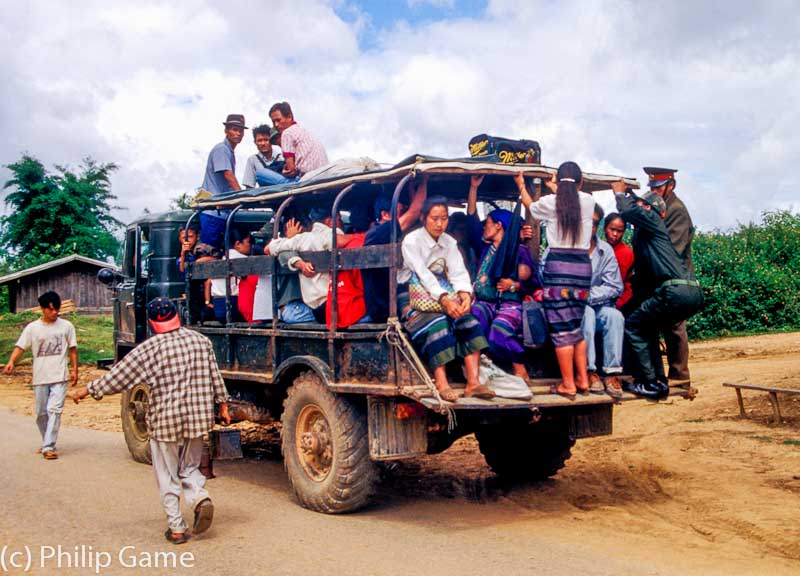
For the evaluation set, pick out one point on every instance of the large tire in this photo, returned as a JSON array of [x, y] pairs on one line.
[[325, 448], [134, 407], [526, 451]]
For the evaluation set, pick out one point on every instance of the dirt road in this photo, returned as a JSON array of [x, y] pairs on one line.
[[680, 488]]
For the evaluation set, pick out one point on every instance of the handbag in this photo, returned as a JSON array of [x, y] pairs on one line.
[[534, 324], [422, 300]]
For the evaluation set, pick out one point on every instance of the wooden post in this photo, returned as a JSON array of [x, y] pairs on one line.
[[776, 409], [742, 413]]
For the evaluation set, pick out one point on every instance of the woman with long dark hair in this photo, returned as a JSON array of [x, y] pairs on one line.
[[567, 272]]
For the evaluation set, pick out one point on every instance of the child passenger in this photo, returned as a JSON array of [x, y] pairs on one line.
[[215, 287]]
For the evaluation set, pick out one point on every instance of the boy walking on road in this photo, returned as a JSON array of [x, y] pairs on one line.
[[50, 339], [180, 368]]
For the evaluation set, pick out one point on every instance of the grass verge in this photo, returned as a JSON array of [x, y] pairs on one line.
[[95, 335]]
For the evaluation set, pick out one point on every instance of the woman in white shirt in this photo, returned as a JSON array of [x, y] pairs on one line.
[[567, 272], [436, 308]]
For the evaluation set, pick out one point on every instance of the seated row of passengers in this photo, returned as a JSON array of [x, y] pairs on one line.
[[448, 312]]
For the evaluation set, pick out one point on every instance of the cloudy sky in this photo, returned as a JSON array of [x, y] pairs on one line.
[[709, 87]]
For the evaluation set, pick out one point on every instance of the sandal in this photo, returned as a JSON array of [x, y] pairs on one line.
[[448, 394], [203, 516], [176, 538], [568, 395], [481, 392]]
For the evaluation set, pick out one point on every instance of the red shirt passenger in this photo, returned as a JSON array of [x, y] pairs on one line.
[[615, 230]]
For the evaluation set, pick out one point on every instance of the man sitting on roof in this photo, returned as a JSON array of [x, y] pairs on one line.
[[301, 150], [269, 156], [220, 177]]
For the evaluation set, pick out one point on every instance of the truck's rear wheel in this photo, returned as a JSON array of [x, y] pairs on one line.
[[526, 451], [325, 448], [134, 408]]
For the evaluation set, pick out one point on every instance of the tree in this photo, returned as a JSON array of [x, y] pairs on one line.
[[55, 215], [182, 202]]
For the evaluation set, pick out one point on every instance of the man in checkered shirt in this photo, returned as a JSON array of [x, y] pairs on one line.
[[181, 370], [302, 152]]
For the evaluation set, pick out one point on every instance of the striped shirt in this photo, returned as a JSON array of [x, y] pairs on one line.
[[181, 370], [309, 154]]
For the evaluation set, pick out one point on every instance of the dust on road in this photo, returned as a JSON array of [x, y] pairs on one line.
[[679, 484]]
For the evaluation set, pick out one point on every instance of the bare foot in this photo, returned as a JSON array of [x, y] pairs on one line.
[[519, 370]]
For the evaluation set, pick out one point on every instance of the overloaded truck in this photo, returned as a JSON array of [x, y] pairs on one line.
[[347, 399]]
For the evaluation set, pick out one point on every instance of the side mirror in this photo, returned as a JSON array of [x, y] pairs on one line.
[[108, 277]]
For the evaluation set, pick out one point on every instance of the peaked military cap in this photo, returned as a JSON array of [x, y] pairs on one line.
[[659, 176]]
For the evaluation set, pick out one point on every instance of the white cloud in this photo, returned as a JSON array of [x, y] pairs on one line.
[[614, 85]]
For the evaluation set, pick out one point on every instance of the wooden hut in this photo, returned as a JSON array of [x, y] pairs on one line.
[[73, 277]]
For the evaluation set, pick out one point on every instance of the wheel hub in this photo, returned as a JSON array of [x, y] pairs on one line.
[[137, 411], [314, 444]]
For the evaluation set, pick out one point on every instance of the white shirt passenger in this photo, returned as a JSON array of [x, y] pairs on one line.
[[545, 209], [315, 289], [423, 255], [218, 284]]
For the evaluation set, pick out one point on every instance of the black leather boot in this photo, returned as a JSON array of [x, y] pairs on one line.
[[649, 390]]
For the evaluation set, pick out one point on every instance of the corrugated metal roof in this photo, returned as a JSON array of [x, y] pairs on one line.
[[54, 264]]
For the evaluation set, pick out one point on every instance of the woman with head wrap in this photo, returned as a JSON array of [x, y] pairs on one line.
[[499, 292]]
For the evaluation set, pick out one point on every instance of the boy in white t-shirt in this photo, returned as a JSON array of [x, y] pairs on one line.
[[50, 339]]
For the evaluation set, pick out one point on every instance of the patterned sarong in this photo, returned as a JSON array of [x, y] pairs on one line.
[[502, 324], [437, 337], [440, 339], [567, 278]]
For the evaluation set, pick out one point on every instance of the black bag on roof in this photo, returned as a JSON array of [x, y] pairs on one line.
[[508, 151]]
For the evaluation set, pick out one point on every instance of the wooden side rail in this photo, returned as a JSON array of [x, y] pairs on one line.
[[348, 259], [773, 397]]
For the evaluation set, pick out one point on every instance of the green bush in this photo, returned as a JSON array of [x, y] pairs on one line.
[[95, 334], [750, 277]]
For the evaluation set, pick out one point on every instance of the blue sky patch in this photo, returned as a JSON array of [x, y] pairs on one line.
[[384, 15]]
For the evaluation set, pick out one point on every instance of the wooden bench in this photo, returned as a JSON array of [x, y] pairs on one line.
[[773, 397]]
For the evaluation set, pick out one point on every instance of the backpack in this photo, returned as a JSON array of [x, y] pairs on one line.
[[508, 151], [351, 306]]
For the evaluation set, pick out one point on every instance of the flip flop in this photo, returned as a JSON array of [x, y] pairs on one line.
[[171, 536], [203, 515], [568, 395], [448, 394], [481, 392]]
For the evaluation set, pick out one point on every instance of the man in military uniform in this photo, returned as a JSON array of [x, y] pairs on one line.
[[681, 232], [668, 287]]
